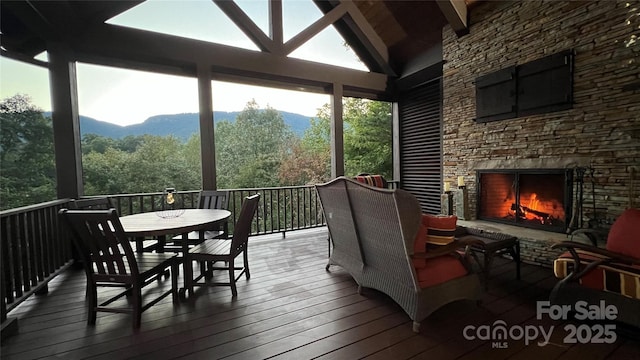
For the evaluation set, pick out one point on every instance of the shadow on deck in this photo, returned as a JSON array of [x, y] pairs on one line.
[[293, 309]]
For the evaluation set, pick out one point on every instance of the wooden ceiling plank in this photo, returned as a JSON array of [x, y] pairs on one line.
[[371, 35], [312, 30], [368, 37], [244, 22], [32, 18], [457, 14]]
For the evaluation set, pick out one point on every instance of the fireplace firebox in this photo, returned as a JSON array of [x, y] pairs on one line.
[[533, 198]]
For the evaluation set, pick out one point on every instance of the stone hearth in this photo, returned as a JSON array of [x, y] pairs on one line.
[[535, 245]]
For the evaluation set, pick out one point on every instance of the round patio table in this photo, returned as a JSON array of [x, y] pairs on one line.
[[139, 226]]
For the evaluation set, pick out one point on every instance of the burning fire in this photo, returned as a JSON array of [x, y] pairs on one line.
[[533, 205], [534, 209]]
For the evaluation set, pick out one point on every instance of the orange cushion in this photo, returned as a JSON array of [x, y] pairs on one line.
[[439, 270], [613, 277], [372, 180], [624, 235], [441, 229]]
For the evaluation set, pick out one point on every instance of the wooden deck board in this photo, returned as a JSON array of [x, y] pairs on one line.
[[291, 308]]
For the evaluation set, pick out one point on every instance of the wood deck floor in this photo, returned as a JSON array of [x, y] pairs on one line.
[[291, 308]]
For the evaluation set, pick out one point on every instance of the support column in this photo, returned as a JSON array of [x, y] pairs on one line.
[[337, 132], [66, 122], [207, 136], [395, 146]]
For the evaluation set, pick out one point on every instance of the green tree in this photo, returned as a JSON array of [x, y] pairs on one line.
[[309, 161], [96, 143], [249, 150], [27, 167], [156, 163], [368, 137], [106, 172], [367, 143]]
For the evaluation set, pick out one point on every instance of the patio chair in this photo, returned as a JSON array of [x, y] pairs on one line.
[[594, 274], [104, 203], [209, 199], [98, 203], [109, 261], [212, 251]]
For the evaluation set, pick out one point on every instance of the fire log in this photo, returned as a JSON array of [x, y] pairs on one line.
[[524, 209]]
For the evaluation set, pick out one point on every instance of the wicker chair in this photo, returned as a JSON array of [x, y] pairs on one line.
[[374, 230]]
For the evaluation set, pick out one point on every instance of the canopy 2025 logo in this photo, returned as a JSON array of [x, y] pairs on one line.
[[500, 335]]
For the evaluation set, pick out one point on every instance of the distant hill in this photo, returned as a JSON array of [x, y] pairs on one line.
[[179, 125]]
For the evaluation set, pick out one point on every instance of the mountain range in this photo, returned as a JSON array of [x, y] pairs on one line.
[[179, 125]]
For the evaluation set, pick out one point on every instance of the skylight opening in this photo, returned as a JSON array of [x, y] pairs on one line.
[[194, 19], [328, 47]]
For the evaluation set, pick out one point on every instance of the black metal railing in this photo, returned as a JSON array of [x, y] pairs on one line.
[[35, 247], [281, 209]]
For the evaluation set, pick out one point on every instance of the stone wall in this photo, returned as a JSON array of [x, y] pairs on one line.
[[601, 131]]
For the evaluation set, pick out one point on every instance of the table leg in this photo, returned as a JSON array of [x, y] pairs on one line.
[[488, 256], [516, 258], [162, 240], [188, 269], [139, 244]]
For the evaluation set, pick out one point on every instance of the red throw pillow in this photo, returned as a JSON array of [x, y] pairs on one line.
[[441, 229], [624, 235]]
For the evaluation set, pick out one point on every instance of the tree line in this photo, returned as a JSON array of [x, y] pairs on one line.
[[256, 150]]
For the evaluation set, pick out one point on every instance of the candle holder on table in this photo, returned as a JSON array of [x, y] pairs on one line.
[[170, 206]]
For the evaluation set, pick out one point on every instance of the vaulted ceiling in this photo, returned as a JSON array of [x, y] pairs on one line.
[[388, 36]]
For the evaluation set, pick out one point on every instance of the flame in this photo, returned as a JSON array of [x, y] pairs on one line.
[[533, 205]]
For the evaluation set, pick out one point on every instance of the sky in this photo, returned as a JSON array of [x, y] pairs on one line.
[[126, 97]]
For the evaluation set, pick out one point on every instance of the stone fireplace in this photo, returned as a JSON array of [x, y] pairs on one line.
[[599, 132], [534, 198]]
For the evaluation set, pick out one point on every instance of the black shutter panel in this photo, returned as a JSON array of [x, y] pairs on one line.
[[545, 85], [420, 112], [496, 95]]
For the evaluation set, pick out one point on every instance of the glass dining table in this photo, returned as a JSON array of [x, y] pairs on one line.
[[155, 224]]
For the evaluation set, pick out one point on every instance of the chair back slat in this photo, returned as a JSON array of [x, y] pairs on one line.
[[213, 199], [99, 203], [242, 228], [99, 234]]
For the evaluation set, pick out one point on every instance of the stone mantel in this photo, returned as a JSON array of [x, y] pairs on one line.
[[539, 163]]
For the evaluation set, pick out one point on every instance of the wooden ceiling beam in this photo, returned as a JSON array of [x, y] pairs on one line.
[[457, 14], [112, 44], [244, 22], [275, 21], [312, 30]]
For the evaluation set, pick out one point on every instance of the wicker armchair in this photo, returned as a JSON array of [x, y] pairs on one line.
[[374, 231]]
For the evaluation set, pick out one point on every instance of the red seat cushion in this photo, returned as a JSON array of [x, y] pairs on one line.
[[624, 235], [623, 279], [439, 270]]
